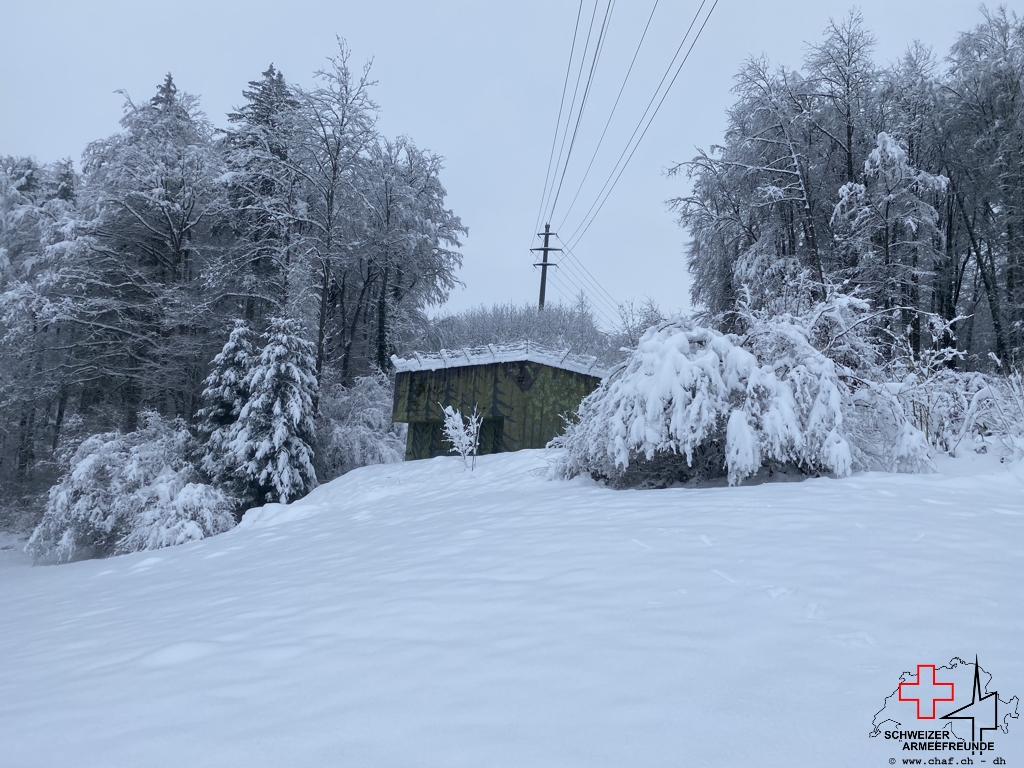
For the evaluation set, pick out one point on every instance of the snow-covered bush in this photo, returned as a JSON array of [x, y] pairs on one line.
[[129, 492], [354, 427], [462, 433], [979, 406], [693, 404], [880, 430], [1013, 414], [939, 402], [273, 437]]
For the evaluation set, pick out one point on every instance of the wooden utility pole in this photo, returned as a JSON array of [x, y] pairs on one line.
[[544, 264]]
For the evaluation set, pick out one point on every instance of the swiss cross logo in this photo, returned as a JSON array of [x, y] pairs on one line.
[[942, 708], [926, 691]]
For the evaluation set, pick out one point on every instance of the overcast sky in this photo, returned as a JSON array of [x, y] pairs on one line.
[[477, 82]]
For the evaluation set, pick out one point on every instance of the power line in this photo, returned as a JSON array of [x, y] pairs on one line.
[[593, 279], [558, 122], [583, 279], [572, 263], [600, 298], [572, 105], [578, 291], [601, 37], [564, 289], [563, 294], [580, 282], [571, 298], [575, 272], [596, 298], [576, 238], [612, 114], [599, 203], [562, 285]]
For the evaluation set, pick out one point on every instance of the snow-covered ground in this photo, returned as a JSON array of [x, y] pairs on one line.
[[12, 552], [422, 615]]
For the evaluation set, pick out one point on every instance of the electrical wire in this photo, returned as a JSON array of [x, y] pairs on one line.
[[575, 266], [570, 299], [571, 291], [613, 179], [572, 105], [584, 280], [575, 273], [558, 122], [571, 270], [598, 48], [612, 114], [593, 280], [596, 299]]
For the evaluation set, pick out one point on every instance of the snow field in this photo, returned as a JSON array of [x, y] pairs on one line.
[[422, 615]]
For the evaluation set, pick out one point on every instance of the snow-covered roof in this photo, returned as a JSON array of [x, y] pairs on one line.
[[504, 353]]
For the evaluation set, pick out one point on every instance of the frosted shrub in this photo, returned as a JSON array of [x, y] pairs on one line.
[[941, 402], [691, 403], [987, 406], [354, 427], [463, 434], [694, 404], [877, 425], [882, 435], [128, 492], [1013, 414]]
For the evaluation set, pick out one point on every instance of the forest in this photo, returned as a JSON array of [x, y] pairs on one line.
[[901, 184], [199, 319]]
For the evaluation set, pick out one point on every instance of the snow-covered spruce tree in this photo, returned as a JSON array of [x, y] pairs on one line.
[[354, 427], [273, 437], [263, 185], [128, 492], [694, 404], [223, 398]]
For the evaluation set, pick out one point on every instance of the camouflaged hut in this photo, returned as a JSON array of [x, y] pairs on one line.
[[522, 393]]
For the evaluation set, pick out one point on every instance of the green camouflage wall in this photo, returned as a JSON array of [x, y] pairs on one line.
[[522, 404]]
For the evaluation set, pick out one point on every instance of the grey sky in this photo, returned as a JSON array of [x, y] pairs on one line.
[[477, 82]]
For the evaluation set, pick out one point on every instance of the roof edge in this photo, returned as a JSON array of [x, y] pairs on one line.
[[502, 353]]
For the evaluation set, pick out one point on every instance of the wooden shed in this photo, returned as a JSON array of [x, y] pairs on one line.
[[521, 392]]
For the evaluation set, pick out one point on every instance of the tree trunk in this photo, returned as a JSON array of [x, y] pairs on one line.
[[62, 403], [382, 331], [26, 442], [988, 278], [321, 332]]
